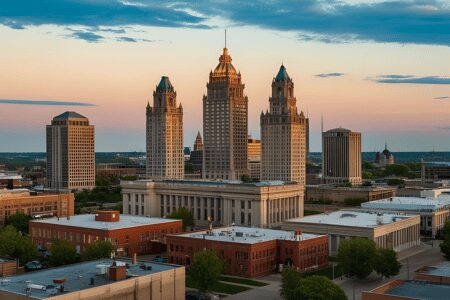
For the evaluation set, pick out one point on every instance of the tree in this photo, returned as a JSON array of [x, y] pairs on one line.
[[315, 287], [445, 248], [386, 263], [205, 270], [246, 178], [14, 244], [185, 215], [19, 221], [98, 249], [397, 169], [356, 256], [62, 252]]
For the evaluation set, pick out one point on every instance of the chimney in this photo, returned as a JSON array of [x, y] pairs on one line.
[[134, 260], [117, 273], [298, 235]]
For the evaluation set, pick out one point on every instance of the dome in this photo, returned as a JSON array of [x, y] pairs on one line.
[[224, 68]]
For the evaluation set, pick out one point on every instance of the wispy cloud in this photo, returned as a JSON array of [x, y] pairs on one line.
[[44, 102], [442, 98], [86, 36], [332, 21], [327, 75], [131, 40], [411, 79]]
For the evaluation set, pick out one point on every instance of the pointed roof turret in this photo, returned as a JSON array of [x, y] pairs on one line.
[[282, 74], [164, 85]]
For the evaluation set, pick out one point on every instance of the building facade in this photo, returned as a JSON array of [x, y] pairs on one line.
[[384, 158], [196, 156], [254, 158], [252, 252], [327, 193], [129, 234], [387, 230], [435, 171], [35, 205], [341, 153], [283, 134], [165, 157], [225, 115], [70, 152], [262, 204]]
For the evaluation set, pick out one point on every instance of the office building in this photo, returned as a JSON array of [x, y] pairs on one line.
[[165, 156], [104, 279], [341, 152], [387, 230], [36, 205], [252, 252], [435, 171], [225, 114], [283, 134], [254, 158], [261, 204], [326, 193], [129, 234], [70, 152], [196, 157]]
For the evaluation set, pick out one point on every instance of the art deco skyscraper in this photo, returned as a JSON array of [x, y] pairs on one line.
[[165, 158], [70, 152], [225, 114], [341, 152], [283, 134]]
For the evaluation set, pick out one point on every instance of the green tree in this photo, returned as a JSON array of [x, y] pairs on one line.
[[19, 221], [356, 256], [185, 215], [367, 165], [62, 252], [245, 178], [386, 263], [14, 244], [98, 249], [397, 170], [315, 287], [205, 270], [445, 248], [446, 229], [367, 175]]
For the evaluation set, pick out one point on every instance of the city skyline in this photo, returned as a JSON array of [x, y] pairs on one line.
[[371, 84]]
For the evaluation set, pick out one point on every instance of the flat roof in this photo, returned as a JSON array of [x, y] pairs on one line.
[[352, 218], [222, 182], [88, 221], [421, 290], [247, 235], [439, 270], [409, 203], [77, 277]]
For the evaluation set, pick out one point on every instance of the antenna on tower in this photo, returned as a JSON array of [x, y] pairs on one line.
[[321, 123], [225, 37]]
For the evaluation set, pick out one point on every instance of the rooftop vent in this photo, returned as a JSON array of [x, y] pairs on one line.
[[348, 215]]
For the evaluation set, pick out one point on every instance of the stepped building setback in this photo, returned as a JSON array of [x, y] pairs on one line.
[[252, 252]]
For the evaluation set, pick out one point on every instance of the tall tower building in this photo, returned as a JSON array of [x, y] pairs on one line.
[[283, 134], [225, 114], [341, 151], [198, 144], [165, 158], [70, 152]]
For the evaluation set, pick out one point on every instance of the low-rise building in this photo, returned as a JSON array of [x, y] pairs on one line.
[[408, 290], [252, 252], [104, 279], [129, 234], [434, 212], [261, 204], [118, 169], [438, 274], [317, 193], [435, 171], [387, 230], [36, 205]]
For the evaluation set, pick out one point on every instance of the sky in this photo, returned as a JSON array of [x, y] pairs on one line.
[[378, 67]]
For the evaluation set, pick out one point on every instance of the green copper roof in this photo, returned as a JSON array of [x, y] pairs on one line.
[[164, 85], [69, 114], [282, 74]]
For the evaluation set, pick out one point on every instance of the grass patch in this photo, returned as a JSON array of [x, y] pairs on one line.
[[307, 212], [245, 281], [221, 287], [328, 272]]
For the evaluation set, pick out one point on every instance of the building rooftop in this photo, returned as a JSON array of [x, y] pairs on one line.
[[409, 203], [69, 114], [248, 235], [222, 182], [420, 290], [352, 218], [77, 277], [439, 270], [164, 85], [88, 221], [282, 74], [437, 163]]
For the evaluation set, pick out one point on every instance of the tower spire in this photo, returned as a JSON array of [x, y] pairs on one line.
[[225, 37]]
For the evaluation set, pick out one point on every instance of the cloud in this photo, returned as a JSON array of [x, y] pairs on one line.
[[411, 79], [44, 102], [86, 36], [327, 75], [442, 98], [332, 21], [131, 40]]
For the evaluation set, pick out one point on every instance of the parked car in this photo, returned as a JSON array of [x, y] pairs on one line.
[[34, 266]]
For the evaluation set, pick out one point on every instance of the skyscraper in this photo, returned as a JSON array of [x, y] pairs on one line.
[[283, 134], [341, 151], [225, 114], [165, 158], [70, 152], [198, 144]]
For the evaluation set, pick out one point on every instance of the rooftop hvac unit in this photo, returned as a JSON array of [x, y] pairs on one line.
[[101, 269]]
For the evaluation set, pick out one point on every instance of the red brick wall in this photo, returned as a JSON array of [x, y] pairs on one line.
[[141, 239]]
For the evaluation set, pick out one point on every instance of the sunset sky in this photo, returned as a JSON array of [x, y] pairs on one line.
[[378, 67]]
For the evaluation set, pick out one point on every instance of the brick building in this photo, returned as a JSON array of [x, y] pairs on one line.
[[129, 234], [251, 252], [35, 205]]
